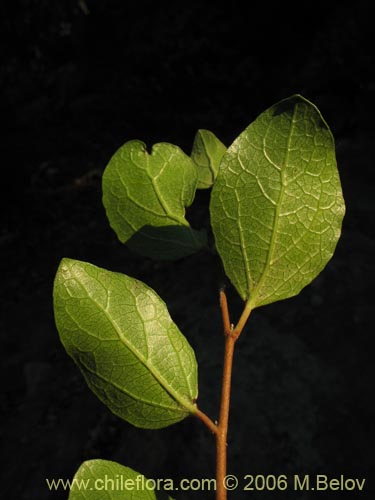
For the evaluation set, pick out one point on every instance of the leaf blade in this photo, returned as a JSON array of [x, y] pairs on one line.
[[145, 196], [104, 479], [207, 153], [120, 334], [277, 205]]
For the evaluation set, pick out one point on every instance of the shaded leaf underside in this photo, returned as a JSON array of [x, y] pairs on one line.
[[145, 196]]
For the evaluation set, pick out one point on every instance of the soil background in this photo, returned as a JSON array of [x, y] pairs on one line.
[[77, 80]]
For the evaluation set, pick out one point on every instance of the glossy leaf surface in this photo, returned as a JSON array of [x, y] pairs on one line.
[[107, 480], [207, 153], [145, 196], [277, 205], [130, 352]]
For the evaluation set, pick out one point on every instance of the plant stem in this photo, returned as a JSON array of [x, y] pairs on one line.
[[231, 335], [222, 431], [225, 312]]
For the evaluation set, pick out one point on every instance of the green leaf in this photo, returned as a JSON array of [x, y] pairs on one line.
[[207, 153], [145, 197], [107, 480], [277, 206], [130, 352]]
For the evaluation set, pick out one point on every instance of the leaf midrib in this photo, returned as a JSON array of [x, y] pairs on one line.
[[246, 261], [128, 393], [155, 373], [161, 200], [252, 301]]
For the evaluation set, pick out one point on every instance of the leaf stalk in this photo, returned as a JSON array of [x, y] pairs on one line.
[[206, 420]]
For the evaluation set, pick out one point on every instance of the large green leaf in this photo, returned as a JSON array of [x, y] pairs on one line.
[[145, 196], [107, 480], [207, 153], [130, 352], [277, 206]]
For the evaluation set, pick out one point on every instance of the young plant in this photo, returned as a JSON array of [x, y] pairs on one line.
[[276, 211]]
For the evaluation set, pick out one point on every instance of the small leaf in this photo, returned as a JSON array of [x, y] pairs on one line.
[[145, 197], [107, 480], [277, 206], [207, 153], [130, 352]]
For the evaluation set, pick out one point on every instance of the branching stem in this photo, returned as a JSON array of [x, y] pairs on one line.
[[220, 430], [231, 335]]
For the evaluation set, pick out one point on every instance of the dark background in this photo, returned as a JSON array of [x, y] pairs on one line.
[[79, 79]]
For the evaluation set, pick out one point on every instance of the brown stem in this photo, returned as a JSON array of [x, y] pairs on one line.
[[222, 431], [231, 335], [225, 312]]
